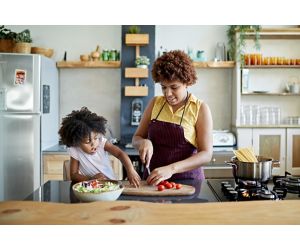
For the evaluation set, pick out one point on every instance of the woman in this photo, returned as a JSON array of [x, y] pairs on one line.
[[174, 137]]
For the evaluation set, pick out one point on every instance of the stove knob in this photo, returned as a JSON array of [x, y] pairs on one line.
[[225, 186], [233, 195], [228, 190]]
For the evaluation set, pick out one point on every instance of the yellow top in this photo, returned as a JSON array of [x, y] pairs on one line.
[[189, 118]]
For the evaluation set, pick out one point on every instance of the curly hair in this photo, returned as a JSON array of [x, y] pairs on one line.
[[79, 124], [173, 66]]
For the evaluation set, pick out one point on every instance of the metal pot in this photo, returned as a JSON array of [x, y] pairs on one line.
[[258, 171]]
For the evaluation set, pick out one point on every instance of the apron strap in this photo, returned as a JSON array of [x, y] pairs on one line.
[[186, 99], [160, 110]]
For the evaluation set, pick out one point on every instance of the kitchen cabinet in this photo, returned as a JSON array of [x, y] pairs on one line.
[[271, 143], [293, 151], [264, 86], [53, 166], [282, 144], [262, 107]]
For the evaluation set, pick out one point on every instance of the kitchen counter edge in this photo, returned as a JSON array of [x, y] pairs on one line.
[[145, 213]]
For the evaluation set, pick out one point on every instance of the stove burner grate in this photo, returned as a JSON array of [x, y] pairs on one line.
[[288, 182]]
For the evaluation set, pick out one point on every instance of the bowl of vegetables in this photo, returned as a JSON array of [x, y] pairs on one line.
[[98, 190]]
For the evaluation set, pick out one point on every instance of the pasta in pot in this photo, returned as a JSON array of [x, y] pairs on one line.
[[245, 154]]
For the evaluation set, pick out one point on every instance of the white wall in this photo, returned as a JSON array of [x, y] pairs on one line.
[[97, 89], [213, 85]]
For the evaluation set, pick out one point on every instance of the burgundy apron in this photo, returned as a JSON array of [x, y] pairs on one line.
[[170, 145]]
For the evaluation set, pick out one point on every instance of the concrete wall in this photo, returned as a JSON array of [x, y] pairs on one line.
[[213, 85], [97, 89]]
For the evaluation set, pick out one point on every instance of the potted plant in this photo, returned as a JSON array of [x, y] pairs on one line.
[[134, 38], [142, 62], [134, 29], [236, 47], [6, 39], [23, 42]]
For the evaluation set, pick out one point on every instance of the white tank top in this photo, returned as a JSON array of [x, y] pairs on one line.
[[92, 164]]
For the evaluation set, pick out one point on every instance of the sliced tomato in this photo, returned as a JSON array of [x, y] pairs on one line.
[[178, 186], [173, 184]]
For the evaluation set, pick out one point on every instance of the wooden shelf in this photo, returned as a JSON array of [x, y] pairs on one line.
[[215, 65], [270, 126], [136, 73], [136, 90], [272, 94], [89, 64], [136, 39], [271, 67], [269, 33]]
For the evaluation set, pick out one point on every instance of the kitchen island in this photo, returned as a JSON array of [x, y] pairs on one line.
[[55, 203], [146, 213]]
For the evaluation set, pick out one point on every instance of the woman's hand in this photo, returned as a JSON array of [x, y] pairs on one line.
[[146, 152], [159, 174], [133, 177]]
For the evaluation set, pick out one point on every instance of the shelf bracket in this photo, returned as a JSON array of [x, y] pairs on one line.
[[137, 51]]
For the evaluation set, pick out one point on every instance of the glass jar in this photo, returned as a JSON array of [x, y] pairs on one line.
[[105, 55], [112, 55]]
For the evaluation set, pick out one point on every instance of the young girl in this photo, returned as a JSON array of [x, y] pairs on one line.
[[83, 132]]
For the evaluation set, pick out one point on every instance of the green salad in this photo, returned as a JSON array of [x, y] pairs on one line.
[[96, 187]]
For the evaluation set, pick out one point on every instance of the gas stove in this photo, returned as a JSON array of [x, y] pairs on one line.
[[288, 182], [282, 188]]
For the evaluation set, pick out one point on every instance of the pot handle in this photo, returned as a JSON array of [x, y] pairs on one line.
[[275, 162], [234, 167]]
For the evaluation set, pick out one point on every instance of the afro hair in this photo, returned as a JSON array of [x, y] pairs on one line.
[[79, 125], [174, 66]]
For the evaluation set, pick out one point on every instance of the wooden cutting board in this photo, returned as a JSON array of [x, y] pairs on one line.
[[149, 190]]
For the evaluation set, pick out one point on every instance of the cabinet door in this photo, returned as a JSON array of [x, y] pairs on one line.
[[293, 151], [271, 143], [53, 166]]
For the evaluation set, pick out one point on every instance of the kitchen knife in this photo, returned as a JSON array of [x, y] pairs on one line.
[[148, 170]]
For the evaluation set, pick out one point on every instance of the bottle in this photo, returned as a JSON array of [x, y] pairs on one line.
[[245, 80], [220, 52], [136, 111]]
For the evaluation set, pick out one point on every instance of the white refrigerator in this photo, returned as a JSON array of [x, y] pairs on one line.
[[29, 121]]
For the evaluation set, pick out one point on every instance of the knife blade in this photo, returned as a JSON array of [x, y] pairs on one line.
[[148, 170]]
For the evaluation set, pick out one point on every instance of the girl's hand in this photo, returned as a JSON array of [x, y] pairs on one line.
[[159, 174], [133, 177], [100, 176], [146, 152]]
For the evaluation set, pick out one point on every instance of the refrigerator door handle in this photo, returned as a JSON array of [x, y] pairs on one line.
[[3, 105]]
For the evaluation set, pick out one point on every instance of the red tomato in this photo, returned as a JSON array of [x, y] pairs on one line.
[[160, 187], [178, 186], [162, 183], [168, 185], [94, 184], [173, 184]]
